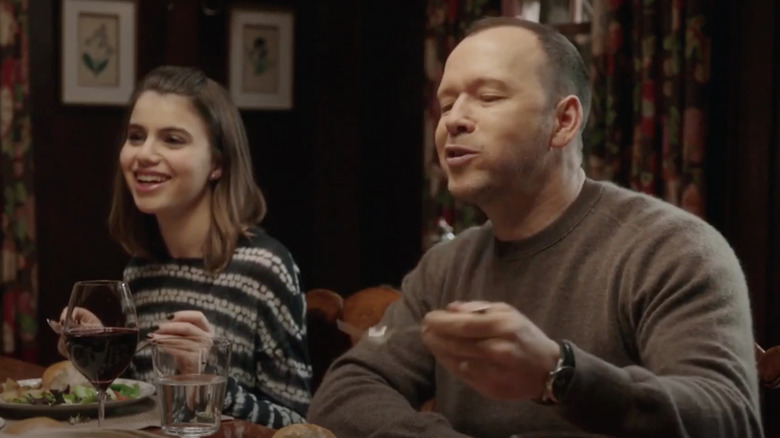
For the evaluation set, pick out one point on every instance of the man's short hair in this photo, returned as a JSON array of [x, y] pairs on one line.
[[567, 68]]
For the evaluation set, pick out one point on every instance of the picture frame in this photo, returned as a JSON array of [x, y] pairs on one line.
[[98, 56], [260, 61]]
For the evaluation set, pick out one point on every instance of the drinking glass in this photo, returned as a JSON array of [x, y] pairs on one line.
[[101, 333], [191, 378]]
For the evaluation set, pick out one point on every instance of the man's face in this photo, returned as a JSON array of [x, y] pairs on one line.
[[493, 135]]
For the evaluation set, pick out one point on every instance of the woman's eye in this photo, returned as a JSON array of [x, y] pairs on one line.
[[174, 139], [445, 107], [135, 137]]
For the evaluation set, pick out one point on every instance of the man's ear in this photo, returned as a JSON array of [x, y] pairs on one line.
[[568, 119]]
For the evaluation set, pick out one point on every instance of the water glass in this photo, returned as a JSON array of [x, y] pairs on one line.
[[191, 377]]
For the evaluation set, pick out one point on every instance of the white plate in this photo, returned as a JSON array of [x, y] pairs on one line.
[[88, 433], [145, 390]]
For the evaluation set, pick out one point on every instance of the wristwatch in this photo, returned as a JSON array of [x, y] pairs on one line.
[[558, 380]]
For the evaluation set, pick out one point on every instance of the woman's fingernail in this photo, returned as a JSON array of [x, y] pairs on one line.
[[154, 328], [170, 316]]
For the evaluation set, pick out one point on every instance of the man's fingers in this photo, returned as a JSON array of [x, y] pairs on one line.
[[452, 346]]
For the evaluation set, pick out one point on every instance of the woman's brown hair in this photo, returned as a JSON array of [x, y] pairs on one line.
[[236, 204]]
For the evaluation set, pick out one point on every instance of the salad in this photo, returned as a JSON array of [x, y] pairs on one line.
[[13, 392]]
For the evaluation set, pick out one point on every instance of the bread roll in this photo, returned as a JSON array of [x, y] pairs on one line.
[[303, 431], [60, 375], [31, 424]]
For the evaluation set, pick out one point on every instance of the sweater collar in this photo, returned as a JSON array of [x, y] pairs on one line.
[[568, 221]]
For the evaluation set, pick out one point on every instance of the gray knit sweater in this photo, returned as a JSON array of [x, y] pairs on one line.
[[257, 303], [652, 298]]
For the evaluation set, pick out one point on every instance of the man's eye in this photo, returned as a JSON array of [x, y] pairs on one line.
[[490, 97]]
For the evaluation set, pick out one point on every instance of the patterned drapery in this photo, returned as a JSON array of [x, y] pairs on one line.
[[651, 70], [447, 22], [18, 263]]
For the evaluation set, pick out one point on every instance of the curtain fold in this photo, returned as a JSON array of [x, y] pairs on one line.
[[18, 263], [650, 75]]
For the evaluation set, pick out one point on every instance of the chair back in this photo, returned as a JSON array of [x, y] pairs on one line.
[[768, 363], [323, 308], [365, 308]]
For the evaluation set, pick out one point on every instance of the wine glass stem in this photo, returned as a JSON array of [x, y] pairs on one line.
[[101, 406]]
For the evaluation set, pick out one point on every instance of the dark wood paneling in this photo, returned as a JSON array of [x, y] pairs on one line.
[[743, 178], [391, 123], [336, 144], [74, 155]]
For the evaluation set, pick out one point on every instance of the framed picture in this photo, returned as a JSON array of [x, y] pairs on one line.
[[98, 51], [260, 71]]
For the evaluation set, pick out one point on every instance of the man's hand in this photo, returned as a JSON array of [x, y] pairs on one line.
[[499, 353]]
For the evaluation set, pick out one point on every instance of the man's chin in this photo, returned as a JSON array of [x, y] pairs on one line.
[[464, 192]]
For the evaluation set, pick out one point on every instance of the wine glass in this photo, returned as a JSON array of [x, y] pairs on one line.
[[101, 333]]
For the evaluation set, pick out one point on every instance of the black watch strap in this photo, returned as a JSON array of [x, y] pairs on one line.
[[556, 387]]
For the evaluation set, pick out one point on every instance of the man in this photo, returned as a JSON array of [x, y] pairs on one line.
[[579, 309]]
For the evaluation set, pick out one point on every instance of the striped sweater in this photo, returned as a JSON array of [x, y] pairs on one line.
[[257, 303]]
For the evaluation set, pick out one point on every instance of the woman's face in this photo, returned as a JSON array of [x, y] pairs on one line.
[[166, 159]]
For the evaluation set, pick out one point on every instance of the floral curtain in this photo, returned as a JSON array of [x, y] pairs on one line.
[[650, 73], [447, 22], [18, 264]]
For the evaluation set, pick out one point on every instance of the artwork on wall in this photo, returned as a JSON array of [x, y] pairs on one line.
[[260, 67], [98, 51]]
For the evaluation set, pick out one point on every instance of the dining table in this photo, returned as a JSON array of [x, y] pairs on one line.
[[18, 370]]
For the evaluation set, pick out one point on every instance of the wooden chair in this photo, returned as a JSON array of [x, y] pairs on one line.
[[768, 363], [326, 343], [365, 308]]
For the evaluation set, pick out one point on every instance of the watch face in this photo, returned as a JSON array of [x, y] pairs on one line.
[[560, 386]]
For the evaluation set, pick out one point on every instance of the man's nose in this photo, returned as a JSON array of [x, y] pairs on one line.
[[459, 120]]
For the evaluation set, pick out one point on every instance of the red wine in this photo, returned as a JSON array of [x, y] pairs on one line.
[[101, 354]]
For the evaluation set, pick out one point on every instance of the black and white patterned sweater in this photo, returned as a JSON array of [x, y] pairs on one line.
[[257, 303]]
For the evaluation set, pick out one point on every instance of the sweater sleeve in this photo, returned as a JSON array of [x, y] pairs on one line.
[[393, 378], [685, 300], [281, 394]]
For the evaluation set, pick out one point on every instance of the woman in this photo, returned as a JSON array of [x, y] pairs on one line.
[[185, 206]]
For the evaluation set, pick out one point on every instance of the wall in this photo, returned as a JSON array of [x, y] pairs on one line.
[[744, 173], [340, 171]]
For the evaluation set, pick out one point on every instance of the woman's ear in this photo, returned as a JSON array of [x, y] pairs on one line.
[[216, 172], [568, 119]]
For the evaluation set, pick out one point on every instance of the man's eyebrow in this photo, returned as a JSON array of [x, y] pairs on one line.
[[492, 82], [477, 83]]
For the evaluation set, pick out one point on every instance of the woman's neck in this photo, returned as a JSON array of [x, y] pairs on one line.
[[185, 234]]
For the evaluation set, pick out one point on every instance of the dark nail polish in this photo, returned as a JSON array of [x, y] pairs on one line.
[[170, 316], [154, 328]]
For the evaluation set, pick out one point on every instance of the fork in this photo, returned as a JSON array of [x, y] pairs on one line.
[[380, 334]]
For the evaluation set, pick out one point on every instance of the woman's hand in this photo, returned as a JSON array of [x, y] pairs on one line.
[[182, 336], [80, 317], [191, 323]]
